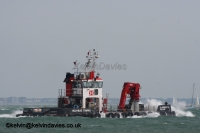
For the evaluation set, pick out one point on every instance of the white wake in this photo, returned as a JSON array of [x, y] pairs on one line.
[[12, 115]]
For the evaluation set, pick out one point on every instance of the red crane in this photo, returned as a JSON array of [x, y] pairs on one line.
[[133, 90]]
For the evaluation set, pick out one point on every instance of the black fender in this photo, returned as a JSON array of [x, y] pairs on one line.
[[137, 113]]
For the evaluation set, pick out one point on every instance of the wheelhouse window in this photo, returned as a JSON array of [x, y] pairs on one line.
[[92, 84], [76, 84], [85, 84], [100, 84], [96, 84]]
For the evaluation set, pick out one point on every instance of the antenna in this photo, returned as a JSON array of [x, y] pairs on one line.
[[92, 55], [76, 67]]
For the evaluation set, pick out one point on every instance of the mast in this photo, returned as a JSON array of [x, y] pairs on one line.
[[91, 64], [192, 94]]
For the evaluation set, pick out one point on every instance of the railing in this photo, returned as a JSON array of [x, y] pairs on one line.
[[62, 93]]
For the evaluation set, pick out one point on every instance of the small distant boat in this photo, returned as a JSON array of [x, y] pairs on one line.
[[196, 105], [191, 106], [197, 102], [174, 102]]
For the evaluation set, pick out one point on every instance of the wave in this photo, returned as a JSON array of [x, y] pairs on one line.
[[12, 115], [3, 108], [153, 115], [180, 112]]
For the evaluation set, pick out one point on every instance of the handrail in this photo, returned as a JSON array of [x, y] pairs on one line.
[[62, 92]]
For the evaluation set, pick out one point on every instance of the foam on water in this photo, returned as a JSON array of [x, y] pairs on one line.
[[103, 115], [179, 109], [135, 116], [2, 108], [152, 104], [180, 112], [153, 115], [12, 115]]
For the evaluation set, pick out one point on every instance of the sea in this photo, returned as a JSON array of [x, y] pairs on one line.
[[185, 121]]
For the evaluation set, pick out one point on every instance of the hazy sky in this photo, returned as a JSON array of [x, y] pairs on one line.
[[158, 40]]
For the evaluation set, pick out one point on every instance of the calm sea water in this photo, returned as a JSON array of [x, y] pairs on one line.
[[184, 122]]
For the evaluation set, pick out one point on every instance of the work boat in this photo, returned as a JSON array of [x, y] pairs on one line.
[[83, 96]]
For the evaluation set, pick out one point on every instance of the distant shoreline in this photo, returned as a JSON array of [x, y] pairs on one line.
[[53, 101]]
